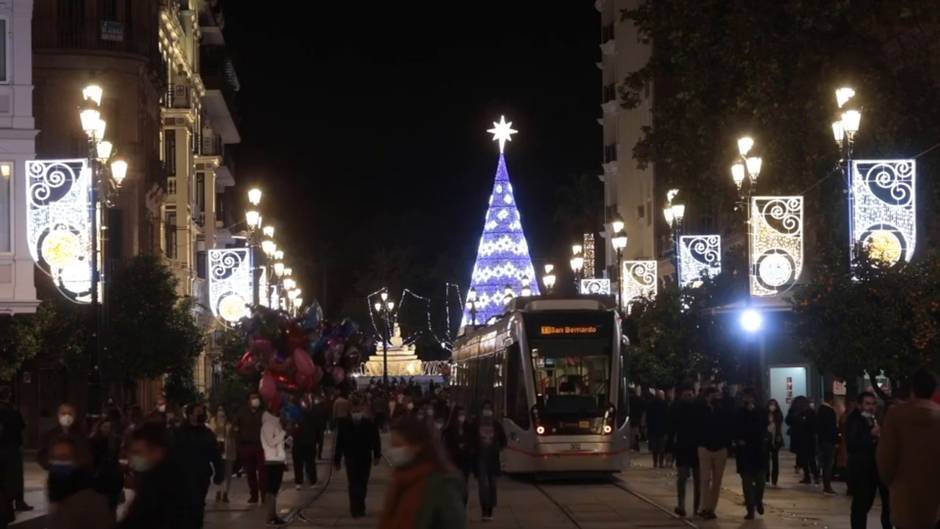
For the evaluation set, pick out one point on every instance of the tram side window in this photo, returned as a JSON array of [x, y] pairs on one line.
[[517, 407]]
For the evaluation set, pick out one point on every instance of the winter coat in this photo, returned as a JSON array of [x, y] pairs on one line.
[[713, 427], [827, 425], [861, 446], [484, 451], [751, 440], [683, 433], [357, 441], [272, 439], [163, 499], [909, 463], [248, 426], [423, 497], [657, 417], [457, 443], [195, 448]]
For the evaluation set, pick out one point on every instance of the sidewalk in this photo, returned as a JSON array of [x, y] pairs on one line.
[[35, 485], [790, 505]]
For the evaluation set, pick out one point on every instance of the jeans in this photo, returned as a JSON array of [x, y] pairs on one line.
[[863, 496], [752, 484], [357, 473], [304, 461], [711, 468], [774, 466], [486, 482], [827, 455], [681, 479], [252, 459]]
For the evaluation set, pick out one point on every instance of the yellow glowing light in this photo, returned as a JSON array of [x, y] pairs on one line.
[[884, 247], [61, 249], [232, 308]]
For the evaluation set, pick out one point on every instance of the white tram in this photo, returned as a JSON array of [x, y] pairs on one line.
[[554, 371]]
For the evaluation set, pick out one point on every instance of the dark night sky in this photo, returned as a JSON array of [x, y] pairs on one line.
[[365, 124]]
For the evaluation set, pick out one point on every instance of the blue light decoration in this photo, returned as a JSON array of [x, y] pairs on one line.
[[503, 254]]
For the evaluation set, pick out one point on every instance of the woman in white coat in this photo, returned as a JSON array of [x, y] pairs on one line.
[[275, 456]]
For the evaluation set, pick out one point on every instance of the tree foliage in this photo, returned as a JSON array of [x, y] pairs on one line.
[[232, 390], [883, 319]]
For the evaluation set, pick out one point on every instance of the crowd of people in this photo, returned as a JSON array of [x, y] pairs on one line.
[[878, 444]]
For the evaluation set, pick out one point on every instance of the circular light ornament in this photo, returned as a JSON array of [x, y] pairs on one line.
[[775, 270], [232, 308], [61, 249], [884, 248]]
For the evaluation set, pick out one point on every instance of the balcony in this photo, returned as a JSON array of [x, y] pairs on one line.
[[221, 82], [178, 96]]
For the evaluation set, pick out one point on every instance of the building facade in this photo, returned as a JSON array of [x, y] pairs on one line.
[[17, 143]]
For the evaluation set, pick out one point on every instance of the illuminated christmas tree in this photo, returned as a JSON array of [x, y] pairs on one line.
[[503, 255]]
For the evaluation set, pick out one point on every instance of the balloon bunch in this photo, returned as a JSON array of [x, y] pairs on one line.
[[298, 356]]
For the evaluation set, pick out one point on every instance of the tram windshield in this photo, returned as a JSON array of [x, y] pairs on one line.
[[571, 362]]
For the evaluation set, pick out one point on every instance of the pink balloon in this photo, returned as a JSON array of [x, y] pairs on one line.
[[274, 403], [267, 388], [338, 375], [303, 363]]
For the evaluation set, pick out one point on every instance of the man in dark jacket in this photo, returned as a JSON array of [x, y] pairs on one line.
[[682, 432], [487, 439], [303, 451], [162, 500], [357, 441], [196, 449], [11, 450], [827, 434], [713, 431], [861, 441], [751, 449], [248, 436]]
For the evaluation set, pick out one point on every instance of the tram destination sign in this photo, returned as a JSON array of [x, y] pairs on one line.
[[568, 330]]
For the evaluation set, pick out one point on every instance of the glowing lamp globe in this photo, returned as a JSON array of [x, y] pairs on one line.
[[90, 118], [838, 131], [254, 196], [93, 92], [843, 95], [744, 145], [851, 119], [754, 164], [104, 149], [620, 241], [118, 171], [737, 174], [751, 320]]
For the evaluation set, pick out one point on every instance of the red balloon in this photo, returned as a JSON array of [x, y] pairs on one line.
[[303, 363], [338, 375], [267, 388], [246, 365], [274, 403]]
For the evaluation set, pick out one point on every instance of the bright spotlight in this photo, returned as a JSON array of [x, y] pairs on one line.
[[751, 320]]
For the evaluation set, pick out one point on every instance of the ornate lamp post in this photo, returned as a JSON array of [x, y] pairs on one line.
[[386, 308], [843, 131], [549, 278], [472, 306], [674, 213], [619, 243], [744, 173], [253, 221], [577, 264]]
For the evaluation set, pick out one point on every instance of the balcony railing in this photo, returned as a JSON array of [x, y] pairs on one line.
[[178, 96]]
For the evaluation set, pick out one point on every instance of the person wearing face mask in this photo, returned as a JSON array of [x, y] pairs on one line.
[[358, 443], [250, 454], [67, 428], [73, 502], [487, 438], [775, 433], [425, 491], [751, 443], [457, 445], [197, 451], [862, 433], [224, 432], [713, 433], [162, 499]]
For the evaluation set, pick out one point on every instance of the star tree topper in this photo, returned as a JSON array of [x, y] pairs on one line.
[[502, 132]]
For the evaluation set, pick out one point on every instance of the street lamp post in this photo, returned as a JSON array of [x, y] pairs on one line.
[[674, 214], [385, 308], [472, 306], [107, 174], [577, 265], [843, 131], [549, 278], [253, 220], [619, 243]]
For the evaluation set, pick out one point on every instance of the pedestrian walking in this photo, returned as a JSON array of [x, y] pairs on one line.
[[358, 444], [457, 445], [425, 491], [303, 451], [341, 408], [713, 432], [73, 501], [861, 438], [775, 434], [636, 419], [105, 448], [656, 418], [67, 428], [802, 423], [224, 431], [751, 442], [197, 450], [827, 434], [487, 439], [250, 453], [11, 451], [273, 438], [682, 433], [162, 499], [908, 456], [320, 418]]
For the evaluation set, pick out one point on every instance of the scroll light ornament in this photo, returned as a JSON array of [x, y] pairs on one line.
[[698, 255], [776, 232], [883, 209], [58, 223], [639, 279], [230, 283]]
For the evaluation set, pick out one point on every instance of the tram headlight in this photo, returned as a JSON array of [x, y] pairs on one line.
[[540, 430], [608, 428]]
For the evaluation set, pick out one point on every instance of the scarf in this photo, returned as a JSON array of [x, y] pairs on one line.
[[405, 496]]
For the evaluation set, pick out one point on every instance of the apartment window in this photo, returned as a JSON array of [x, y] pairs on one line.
[[218, 207], [6, 207], [201, 198], [169, 154], [171, 186], [607, 33], [610, 153], [610, 92], [639, 211], [169, 234], [649, 207], [4, 49], [201, 265]]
